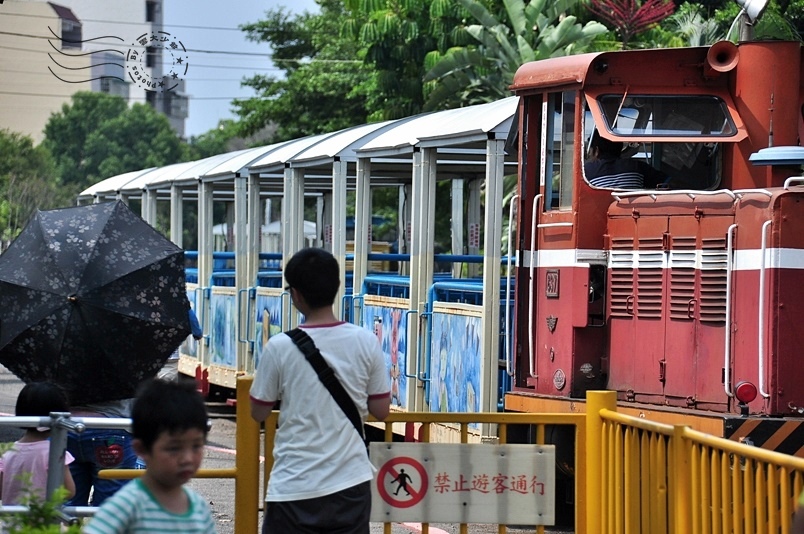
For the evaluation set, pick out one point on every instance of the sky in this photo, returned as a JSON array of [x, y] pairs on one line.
[[213, 79]]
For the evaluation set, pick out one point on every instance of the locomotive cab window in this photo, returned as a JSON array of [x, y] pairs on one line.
[[666, 115], [558, 145], [668, 141]]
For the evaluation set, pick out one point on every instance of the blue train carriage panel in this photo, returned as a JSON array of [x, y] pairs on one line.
[[268, 318], [387, 318], [454, 358], [223, 366]]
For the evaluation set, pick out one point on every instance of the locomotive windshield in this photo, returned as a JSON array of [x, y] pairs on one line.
[[677, 135], [666, 115]]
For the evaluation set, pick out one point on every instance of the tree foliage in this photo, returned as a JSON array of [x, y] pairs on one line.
[[66, 133], [43, 516], [395, 36], [97, 136], [693, 27], [325, 85], [776, 23], [525, 32], [27, 183], [216, 141], [138, 138]]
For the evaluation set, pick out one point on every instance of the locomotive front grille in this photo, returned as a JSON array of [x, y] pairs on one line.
[[714, 261], [650, 264], [621, 267], [682, 262]]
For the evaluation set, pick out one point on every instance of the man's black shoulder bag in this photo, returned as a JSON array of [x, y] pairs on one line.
[[328, 378]]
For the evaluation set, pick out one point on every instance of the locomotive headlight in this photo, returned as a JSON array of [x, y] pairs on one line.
[[745, 392]]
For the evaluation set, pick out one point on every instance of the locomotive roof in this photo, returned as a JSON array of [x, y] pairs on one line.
[[583, 69], [553, 72]]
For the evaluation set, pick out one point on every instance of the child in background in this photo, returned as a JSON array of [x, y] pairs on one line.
[[169, 427], [23, 468]]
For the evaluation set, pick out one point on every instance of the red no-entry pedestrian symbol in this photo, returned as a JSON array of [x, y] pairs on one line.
[[402, 482]]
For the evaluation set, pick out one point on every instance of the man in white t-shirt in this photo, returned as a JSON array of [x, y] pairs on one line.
[[320, 481]]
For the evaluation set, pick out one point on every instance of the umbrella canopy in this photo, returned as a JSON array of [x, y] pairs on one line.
[[92, 298]]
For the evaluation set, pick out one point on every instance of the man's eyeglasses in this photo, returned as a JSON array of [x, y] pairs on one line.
[[287, 288]]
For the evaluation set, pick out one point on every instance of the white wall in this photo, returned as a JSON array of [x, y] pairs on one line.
[[29, 93]]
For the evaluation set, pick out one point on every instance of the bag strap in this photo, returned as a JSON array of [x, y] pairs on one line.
[[327, 377]]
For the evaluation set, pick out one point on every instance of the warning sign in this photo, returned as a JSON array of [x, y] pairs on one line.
[[412, 483], [469, 483]]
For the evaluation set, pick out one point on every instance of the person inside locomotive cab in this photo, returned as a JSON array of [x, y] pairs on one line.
[[606, 168]]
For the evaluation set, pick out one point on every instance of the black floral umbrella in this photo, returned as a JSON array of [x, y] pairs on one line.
[[92, 298]]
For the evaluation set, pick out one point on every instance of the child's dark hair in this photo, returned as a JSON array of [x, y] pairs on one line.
[[162, 406], [41, 398], [315, 274]]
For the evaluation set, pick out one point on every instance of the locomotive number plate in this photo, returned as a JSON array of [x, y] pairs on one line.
[[551, 284]]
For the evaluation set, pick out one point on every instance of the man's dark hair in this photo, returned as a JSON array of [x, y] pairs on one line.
[[606, 148], [162, 406], [315, 274], [41, 398]]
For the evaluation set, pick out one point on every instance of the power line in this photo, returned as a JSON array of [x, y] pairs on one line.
[[127, 23], [194, 50], [186, 26], [234, 67], [193, 65], [186, 79], [13, 93]]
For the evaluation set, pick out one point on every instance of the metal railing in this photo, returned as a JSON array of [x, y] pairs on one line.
[[60, 424], [631, 475], [658, 478], [424, 423]]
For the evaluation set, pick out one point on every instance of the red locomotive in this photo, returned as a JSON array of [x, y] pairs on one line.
[[688, 298]]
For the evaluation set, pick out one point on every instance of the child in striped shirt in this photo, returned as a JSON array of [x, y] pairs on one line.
[[169, 427]]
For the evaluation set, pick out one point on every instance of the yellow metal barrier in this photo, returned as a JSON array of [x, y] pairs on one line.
[[632, 475], [247, 463], [658, 478], [426, 422], [246, 472]]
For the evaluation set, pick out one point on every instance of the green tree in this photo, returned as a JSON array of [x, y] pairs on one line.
[[526, 32], [27, 183], [793, 12], [325, 85], [692, 25], [780, 21], [66, 133], [97, 136], [216, 141], [395, 36], [138, 138]]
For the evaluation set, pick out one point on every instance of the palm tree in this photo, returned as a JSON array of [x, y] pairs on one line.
[[482, 72], [697, 30]]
